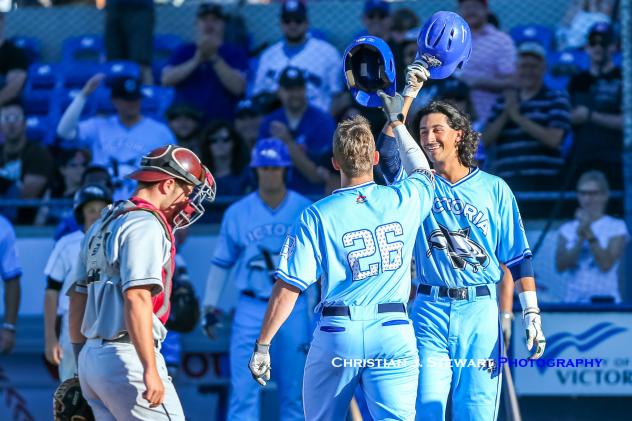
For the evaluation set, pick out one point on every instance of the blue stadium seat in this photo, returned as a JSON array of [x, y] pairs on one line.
[[156, 99], [38, 129], [37, 102], [31, 46], [83, 48], [63, 98], [42, 76], [563, 65], [164, 46], [114, 69], [75, 75], [543, 35]]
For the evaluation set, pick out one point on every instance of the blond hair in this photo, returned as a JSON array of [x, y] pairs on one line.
[[354, 146]]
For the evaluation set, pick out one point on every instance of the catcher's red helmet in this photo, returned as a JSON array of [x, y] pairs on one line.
[[173, 161]]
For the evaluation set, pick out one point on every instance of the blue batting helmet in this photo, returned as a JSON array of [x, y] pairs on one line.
[[444, 43], [270, 152], [369, 66]]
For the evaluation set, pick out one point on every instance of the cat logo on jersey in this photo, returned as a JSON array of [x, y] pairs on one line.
[[459, 247], [361, 198]]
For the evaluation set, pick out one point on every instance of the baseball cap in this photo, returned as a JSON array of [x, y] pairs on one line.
[[246, 108], [293, 9], [377, 5], [126, 87], [601, 31], [183, 109], [532, 48], [292, 77], [210, 8]]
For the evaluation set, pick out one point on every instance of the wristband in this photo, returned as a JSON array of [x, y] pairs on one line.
[[506, 315], [8, 326], [262, 348], [528, 299]]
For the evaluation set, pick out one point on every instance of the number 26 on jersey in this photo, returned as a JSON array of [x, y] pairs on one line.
[[364, 241]]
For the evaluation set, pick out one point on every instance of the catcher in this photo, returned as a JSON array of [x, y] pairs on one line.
[[119, 301]]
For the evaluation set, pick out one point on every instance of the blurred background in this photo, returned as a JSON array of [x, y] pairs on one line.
[[86, 88]]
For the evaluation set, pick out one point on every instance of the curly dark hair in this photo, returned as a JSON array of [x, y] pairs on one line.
[[239, 157], [457, 120]]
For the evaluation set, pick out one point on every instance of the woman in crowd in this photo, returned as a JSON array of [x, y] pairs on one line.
[[590, 247]]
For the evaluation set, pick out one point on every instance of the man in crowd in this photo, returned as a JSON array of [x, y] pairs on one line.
[[305, 129], [248, 121], [319, 60], [13, 65], [208, 74], [185, 122], [25, 167]]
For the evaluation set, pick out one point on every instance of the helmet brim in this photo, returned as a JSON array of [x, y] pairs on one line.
[[149, 176]]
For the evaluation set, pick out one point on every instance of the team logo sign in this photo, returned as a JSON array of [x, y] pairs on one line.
[[459, 247], [361, 198]]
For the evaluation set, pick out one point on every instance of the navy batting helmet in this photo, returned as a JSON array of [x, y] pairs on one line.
[[444, 43], [369, 66], [270, 152], [86, 194]]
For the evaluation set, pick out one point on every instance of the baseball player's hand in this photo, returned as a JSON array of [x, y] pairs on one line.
[[506, 320], [416, 75], [260, 363], [533, 327], [154, 388], [92, 84], [392, 106], [7, 341], [53, 351], [211, 321]]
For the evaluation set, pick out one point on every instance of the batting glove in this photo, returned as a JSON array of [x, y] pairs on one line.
[[533, 326], [392, 106], [416, 74], [211, 321], [260, 363]]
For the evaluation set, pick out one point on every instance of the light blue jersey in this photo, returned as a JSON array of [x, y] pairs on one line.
[[473, 226], [359, 242], [251, 233]]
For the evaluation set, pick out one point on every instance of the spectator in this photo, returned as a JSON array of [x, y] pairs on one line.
[[129, 33], [223, 151], [13, 65], [527, 127], [376, 18], [319, 60], [248, 121], [597, 115], [71, 165], [305, 129], [208, 74], [10, 271], [27, 165], [491, 66], [117, 142], [590, 247], [186, 123], [402, 22], [580, 16]]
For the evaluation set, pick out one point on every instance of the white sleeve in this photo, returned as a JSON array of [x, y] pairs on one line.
[[410, 153], [215, 284], [67, 127]]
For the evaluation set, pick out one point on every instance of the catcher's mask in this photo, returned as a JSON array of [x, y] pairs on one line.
[[369, 66], [182, 164]]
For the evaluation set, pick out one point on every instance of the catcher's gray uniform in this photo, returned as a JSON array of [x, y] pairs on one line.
[[116, 254]]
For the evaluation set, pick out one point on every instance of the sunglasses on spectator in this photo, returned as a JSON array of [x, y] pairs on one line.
[[220, 139], [376, 15], [296, 20], [589, 193]]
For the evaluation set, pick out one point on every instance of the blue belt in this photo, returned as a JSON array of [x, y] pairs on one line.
[[454, 293], [381, 308]]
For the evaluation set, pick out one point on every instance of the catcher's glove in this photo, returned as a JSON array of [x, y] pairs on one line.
[[185, 308], [69, 404]]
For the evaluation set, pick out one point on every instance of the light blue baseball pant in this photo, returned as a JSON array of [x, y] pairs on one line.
[[460, 332], [340, 358], [288, 353]]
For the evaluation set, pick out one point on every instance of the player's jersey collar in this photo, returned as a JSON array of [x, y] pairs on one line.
[[357, 186], [278, 208], [472, 173]]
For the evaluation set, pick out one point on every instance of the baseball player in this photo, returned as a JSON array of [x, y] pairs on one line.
[[474, 227], [88, 203], [251, 236], [359, 243], [10, 272], [119, 301]]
